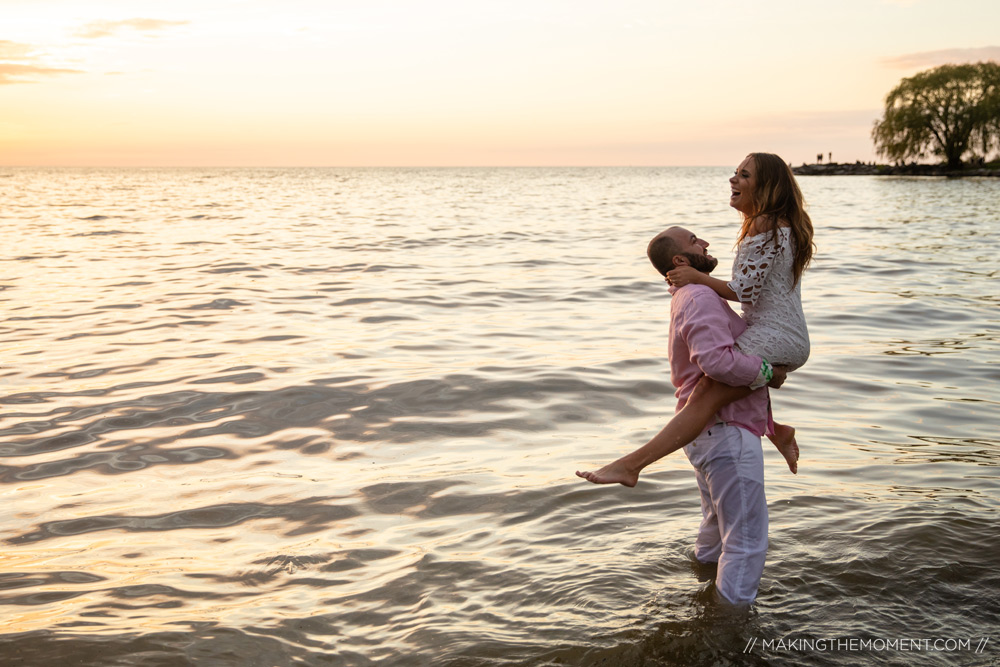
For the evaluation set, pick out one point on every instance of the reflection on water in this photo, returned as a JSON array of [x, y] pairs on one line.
[[331, 417]]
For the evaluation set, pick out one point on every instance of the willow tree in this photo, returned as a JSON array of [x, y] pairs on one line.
[[947, 111]]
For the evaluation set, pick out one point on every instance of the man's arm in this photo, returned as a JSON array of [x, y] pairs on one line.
[[704, 325]]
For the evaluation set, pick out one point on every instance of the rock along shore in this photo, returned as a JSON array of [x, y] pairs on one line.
[[862, 169]]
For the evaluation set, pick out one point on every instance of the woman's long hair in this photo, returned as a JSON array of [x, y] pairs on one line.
[[776, 198]]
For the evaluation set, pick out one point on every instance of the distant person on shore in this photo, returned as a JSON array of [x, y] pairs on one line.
[[774, 246], [727, 456]]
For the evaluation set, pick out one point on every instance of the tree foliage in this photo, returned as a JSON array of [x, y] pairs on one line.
[[948, 111]]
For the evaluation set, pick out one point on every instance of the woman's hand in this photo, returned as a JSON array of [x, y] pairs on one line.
[[685, 275]]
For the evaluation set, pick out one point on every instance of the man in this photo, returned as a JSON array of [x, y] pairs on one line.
[[727, 455]]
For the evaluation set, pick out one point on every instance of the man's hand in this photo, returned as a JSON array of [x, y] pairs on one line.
[[778, 378]]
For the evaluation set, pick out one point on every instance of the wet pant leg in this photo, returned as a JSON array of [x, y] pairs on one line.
[[729, 467]]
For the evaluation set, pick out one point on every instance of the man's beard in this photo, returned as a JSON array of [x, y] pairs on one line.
[[700, 262]]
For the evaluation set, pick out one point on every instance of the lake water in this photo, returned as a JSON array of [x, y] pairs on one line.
[[331, 417]]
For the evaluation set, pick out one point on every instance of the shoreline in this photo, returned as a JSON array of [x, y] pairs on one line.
[[863, 169]]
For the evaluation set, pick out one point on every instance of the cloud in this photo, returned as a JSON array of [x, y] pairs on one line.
[[107, 28], [28, 67], [943, 57], [15, 73], [15, 50]]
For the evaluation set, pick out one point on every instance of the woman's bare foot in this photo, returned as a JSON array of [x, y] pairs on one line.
[[613, 473], [784, 440]]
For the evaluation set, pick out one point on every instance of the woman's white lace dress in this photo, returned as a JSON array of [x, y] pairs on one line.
[[772, 305]]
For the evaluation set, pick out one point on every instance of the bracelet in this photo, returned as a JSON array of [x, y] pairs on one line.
[[764, 376]]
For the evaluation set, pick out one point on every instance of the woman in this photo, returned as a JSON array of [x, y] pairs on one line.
[[775, 244]]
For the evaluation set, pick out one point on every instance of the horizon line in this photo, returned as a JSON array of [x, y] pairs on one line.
[[381, 166]]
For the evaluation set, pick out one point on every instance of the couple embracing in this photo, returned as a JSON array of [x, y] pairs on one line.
[[722, 364]]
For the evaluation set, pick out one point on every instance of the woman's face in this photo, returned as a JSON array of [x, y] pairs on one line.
[[742, 185]]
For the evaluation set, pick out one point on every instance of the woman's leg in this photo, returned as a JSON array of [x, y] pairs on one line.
[[707, 398], [784, 439], [791, 357]]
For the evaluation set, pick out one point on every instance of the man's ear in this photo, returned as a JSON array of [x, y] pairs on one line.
[[680, 260]]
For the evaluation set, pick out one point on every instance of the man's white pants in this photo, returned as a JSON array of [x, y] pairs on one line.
[[729, 466]]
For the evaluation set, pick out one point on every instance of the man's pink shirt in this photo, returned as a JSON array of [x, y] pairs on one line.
[[703, 330]]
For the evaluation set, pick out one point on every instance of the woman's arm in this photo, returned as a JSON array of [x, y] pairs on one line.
[[686, 275]]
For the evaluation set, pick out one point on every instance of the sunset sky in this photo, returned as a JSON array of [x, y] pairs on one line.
[[470, 82]]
